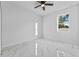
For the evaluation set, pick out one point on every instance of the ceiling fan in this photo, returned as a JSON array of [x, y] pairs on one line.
[[43, 4]]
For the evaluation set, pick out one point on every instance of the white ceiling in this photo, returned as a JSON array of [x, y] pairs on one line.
[[57, 6]]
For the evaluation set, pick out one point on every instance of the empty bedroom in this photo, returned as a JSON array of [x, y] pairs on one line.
[[39, 28]]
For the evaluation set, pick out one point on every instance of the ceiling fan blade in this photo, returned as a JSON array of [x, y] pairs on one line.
[[43, 8], [37, 6], [49, 4]]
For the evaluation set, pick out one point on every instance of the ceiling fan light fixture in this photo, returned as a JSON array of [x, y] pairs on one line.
[[42, 5]]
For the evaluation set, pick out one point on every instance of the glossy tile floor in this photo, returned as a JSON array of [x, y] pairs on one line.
[[41, 48]]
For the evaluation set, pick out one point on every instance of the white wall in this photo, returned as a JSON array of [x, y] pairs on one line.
[[50, 26], [0, 27], [18, 24], [40, 28]]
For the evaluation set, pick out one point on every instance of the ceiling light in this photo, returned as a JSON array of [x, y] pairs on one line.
[[42, 5]]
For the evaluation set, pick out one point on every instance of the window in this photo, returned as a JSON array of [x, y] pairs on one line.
[[36, 29], [63, 22]]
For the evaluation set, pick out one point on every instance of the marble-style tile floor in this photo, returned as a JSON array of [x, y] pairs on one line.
[[25, 49], [40, 48]]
